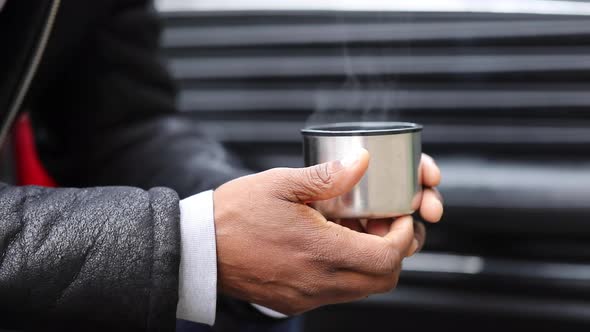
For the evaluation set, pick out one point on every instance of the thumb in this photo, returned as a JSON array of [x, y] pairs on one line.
[[325, 181]]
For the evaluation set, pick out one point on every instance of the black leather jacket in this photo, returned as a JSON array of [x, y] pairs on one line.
[[104, 258]]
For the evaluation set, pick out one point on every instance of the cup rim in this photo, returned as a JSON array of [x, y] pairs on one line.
[[361, 129]]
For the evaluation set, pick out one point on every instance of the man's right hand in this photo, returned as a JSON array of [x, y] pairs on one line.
[[276, 251]]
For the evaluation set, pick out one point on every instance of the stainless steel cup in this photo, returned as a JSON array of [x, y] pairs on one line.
[[390, 187]]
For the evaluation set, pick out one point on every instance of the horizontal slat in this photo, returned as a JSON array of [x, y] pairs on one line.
[[381, 51], [493, 184], [369, 32], [429, 263], [252, 18], [376, 100], [379, 6], [276, 131], [531, 306], [310, 66]]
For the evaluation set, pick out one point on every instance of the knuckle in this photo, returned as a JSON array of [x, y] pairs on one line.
[[323, 173], [300, 192], [319, 177], [388, 261], [325, 252]]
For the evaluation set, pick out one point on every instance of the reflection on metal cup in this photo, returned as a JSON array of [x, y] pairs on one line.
[[390, 187]]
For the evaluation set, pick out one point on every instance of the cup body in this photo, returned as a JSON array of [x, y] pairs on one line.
[[390, 187]]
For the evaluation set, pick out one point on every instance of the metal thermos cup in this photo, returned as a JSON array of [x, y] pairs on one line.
[[390, 187]]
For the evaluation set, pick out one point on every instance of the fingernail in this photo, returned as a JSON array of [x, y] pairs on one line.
[[351, 159]]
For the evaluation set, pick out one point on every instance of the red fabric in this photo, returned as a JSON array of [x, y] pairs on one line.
[[29, 170]]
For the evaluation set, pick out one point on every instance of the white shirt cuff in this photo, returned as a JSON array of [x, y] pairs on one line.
[[269, 312], [197, 291]]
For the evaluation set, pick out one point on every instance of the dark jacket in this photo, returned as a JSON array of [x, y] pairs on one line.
[[104, 107]]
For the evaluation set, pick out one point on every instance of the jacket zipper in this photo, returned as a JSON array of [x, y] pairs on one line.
[[31, 71]]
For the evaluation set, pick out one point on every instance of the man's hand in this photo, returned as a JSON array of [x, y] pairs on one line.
[[276, 251]]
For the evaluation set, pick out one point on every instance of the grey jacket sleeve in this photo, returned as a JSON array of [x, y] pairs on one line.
[[88, 259]]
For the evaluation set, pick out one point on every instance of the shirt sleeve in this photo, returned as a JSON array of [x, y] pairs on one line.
[[269, 312], [197, 298]]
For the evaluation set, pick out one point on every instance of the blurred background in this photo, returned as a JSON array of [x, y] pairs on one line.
[[502, 89]]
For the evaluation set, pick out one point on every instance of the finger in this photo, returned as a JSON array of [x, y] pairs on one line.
[[379, 227], [361, 252], [430, 172], [353, 224], [419, 237], [401, 234], [320, 182], [431, 208]]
